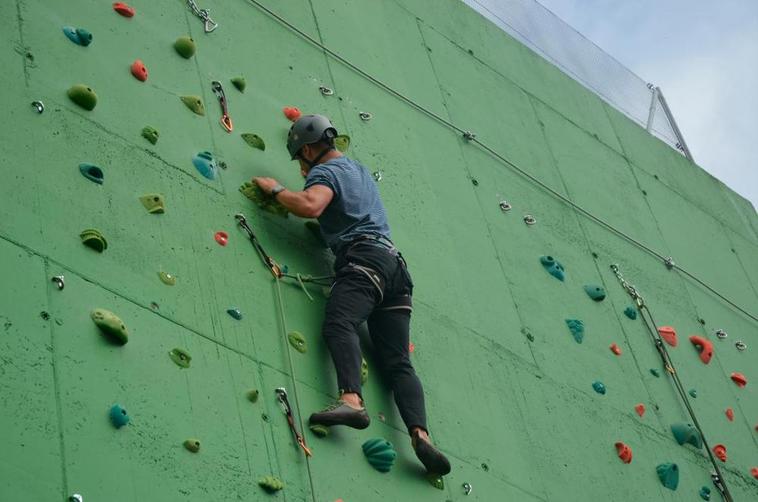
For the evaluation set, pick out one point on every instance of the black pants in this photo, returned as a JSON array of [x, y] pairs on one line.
[[373, 284]]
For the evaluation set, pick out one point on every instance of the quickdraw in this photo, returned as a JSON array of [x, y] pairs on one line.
[[226, 120], [267, 260], [281, 395], [205, 14]]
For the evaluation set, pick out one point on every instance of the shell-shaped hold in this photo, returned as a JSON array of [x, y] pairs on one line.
[[598, 386], [553, 267], [83, 96], [181, 357], [297, 340], [342, 142], [292, 113], [720, 451], [668, 334], [192, 445], [631, 313], [154, 203], [151, 134], [640, 409], [319, 430], [110, 325], [380, 454], [252, 395], [185, 47], [739, 379], [119, 416], [687, 433], [254, 140], [271, 484], [205, 164], [92, 172], [79, 36], [167, 279], [194, 103], [577, 329], [597, 293], [92, 238], [669, 475], [139, 71], [624, 452], [240, 83], [704, 348], [364, 371], [705, 493]]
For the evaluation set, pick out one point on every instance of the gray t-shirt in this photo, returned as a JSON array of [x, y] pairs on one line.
[[356, 207]]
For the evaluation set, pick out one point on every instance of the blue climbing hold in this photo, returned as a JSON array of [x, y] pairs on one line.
[[693, 393], [380, 454], [205, 164], [595, 292], [631, 313], [669, 475], [119, 417], [553, 267], [577, 329], [79, 36], [687, 433], [91, 172], [655, 372], [235, 313], [599, 387], [705, 493]]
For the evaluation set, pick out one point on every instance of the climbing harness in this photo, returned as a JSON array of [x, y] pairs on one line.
[[226, 120], [204, 14], [281, 395], [267, 260], [652, 327]]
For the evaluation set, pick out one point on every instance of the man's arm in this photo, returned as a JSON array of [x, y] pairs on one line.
[[309, 203]]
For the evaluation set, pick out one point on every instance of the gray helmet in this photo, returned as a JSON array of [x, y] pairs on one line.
[[309, 129]]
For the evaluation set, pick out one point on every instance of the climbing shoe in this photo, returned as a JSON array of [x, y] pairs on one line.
[[340, 413], [433, 459]]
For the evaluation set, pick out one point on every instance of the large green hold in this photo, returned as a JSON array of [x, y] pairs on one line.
[[271, 484], [669, 475], [342, 142], [92, 238], [239, 83], [254, 140], [380, 454], [263, 200], [185, 46], [110, 325], [151, 134], [194, 103], [297, 340], [687, 433], [83, 96]]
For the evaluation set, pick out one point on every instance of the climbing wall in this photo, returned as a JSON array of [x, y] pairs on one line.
[[513, 399]]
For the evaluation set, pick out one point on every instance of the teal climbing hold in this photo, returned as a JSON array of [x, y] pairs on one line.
[[92, 172], [93, 239], [631, 313], [185, 47], [181, 357], [364, 371], [595, 292], [83, 96], [655, 372], [206, 165], [110, 325], [235, 312], [239, 83], [669, 475], [577, 329], [693, 393], [297, 340], [271, 484], [380, 454], [599, 387], [705, 493], [151, 134], [553, 267], [119, 416], [194, 103], [687, 433], [79, 36], [254, 140]]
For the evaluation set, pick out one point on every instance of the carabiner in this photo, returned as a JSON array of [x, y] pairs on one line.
[[226, 120]]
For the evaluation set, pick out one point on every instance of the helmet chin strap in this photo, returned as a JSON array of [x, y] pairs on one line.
[[315, 161]]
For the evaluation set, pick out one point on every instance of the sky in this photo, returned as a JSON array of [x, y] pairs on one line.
[[703, 55]]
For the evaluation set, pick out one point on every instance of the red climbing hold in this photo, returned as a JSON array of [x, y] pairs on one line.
[[730, 414], [624, 452], [720, 451], [222, 238], [640, 409], [754, 472], [669, 334], [139, 71], [123, 9], [615, 349], [291, 113], [705, 347], [411, 347], [739, 379]]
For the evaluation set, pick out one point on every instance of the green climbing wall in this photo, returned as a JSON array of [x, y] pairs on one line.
[[509, 391]]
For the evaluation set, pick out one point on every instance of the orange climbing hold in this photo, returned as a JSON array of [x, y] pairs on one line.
[[720, 451], [754, 472], [222, 238], [411, 347], [292, 113], [139, 71], [669, 334], [730, 414], [640, 409], [615, 349], [739, 379], [624, 452], [123, 9], [705, 347]]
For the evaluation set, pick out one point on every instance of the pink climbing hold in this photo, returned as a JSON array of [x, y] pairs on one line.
[[615, 349], [668, 334], [292, 113], [624, 452], [411, 347], [754, 472], [640, 409], [704, 347], [139, 71], [730, 414], [222, 238], [739, 379], [123, 9], [720, 451]]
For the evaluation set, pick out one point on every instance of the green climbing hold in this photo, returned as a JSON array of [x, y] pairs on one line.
[[705, 493], [185, 46], [297, 340], [655, 372], [553, 267], [342, 142], [192, 445], [167, 278], [151, 134], [693, 393], [319, 430], [154, 203], [92, 172], [110, 325], [252, 395], [239, 83], [254, 140], [435, 480], [194, 103], [687, 433], [595, 292], [263, 200], [92, 238], [83, 96], [669, 475], [577, 329], [181, 357], [364, 371], [380, 454], [271, 484], [631, 313]]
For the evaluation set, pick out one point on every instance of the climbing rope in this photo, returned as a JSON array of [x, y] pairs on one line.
[[652, 327], [471, 137]]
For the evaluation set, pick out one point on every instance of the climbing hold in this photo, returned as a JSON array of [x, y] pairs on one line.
[[297, 340], [693, 393], [319, 430], [167, 278], [553, 267], [79, 36], [599, 387], [435, 480], [721, 334], [194, 103], [668, 334], [624, 452], [235, 312], [720, 451], [181, 357], [505, 206], [687, 433], [669, 475], [739, 379], [577, 329], [123, 9], [75, 498], [740, 345], [151, 134], [110, 325], [529, 219], [705, 493], [380, 454], [39, 106], [292, 113], [271, 484], [326, 91], [239, 83], [221, 237], [704, 347], [83, 96], [378, 175], [467, 488], [205, 164], [640, 409], [252, 395], [185, 47], [655, 372], [91, 172], [254, 140], [754, 472], [595, 292], [365, 116], [119, 416], [154, 203], [615, 349], [342, 142], [364, 371], [729, 414], [59, 281], [138, 70], [265, 201], [631, 313], [411, 347], [192, 445], [92, 238]]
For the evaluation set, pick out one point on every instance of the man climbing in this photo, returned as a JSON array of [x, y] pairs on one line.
[[372, 282]]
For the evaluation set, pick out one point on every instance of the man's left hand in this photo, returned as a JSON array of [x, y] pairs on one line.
[[266, 184]]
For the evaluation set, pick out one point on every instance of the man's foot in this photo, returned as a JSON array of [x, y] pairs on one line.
[[433, 459], [340, 413]]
